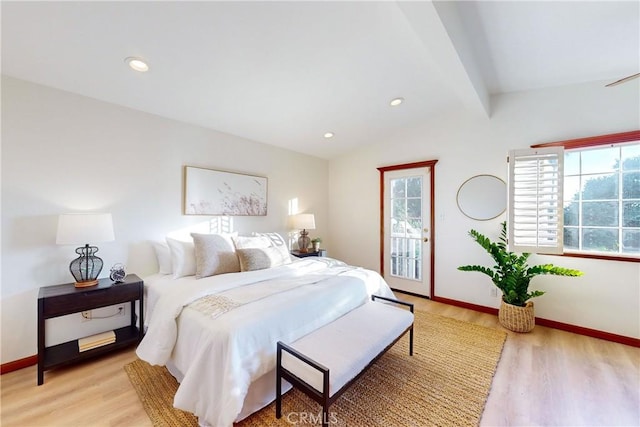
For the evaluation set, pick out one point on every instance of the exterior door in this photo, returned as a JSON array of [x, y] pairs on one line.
[[407, 230]]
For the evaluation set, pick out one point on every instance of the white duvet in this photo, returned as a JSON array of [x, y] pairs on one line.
[[231, 350]]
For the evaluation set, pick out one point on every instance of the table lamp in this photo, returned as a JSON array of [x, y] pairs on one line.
[[303, 222], [82, 228]]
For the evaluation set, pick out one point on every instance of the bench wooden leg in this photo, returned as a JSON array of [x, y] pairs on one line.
[[325, 399], [278, 383], [411, 341], [278, 399]]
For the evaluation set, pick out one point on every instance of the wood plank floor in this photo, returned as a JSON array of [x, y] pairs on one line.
[[546, 378]]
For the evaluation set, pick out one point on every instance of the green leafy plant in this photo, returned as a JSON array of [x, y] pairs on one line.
[[512, 274], [316, 240]]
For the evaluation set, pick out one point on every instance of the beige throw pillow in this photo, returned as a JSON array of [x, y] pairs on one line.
[[259, 258], [215, 254]]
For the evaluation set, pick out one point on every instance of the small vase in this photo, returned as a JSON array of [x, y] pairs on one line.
[[316, 246], [516, 318]]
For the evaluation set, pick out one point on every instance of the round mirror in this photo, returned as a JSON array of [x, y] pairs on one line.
[[482, 197]]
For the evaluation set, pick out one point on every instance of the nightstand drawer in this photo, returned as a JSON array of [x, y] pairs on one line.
[[89, 299]]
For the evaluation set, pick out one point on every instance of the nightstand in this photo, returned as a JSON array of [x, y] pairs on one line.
[[60, 300], [320, 253]]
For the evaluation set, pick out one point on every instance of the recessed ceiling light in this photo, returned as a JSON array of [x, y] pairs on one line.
[[328, 135], [137, 64], [396, 101]]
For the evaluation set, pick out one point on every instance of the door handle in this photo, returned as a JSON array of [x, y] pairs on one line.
[[426, 239]]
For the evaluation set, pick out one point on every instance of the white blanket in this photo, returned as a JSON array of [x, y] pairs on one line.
[[234, 349]]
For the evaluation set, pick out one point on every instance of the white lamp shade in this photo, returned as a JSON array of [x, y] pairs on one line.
[[303, 222], [84, 228]]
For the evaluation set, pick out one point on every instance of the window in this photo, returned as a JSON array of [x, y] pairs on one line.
[[601, 202], [602, 199], [406, 227]]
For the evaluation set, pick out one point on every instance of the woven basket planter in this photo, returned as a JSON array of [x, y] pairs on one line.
[[515, 318]]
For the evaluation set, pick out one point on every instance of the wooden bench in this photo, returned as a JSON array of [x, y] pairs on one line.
[[324, 363]]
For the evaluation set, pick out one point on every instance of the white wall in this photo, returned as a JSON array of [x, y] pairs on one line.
[[67, 153], [606, 298], [64, 153]]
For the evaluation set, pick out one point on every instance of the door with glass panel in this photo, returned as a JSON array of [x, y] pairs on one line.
[[407, 250]]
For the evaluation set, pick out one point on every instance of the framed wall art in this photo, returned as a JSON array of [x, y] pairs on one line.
[[213, 192]]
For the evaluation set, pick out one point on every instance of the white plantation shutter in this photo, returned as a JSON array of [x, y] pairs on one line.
[[535, 200]]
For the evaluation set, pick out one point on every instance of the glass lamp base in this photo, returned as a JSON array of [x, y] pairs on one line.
[[303, 241], [87, 267]]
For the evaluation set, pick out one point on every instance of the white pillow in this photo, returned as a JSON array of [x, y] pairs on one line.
[[183, 258], [245, 242], [164, 257], [280, 244], [215, 254]]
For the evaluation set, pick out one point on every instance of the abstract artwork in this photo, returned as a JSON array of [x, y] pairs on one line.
[[212, 192]]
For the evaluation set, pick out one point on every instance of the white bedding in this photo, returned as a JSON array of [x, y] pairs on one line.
[[220, 357]]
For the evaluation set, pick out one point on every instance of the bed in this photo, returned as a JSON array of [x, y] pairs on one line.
[[217, 334]]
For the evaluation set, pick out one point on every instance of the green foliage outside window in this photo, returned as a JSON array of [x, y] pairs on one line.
[[597, 218]]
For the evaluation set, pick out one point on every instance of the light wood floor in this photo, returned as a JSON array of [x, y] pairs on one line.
[[546, 378]]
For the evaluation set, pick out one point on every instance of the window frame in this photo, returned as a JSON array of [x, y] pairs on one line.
[[590, 142]]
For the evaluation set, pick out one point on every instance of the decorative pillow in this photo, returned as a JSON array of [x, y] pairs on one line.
[[259, 258], [245, 242], [215, 254], [183, 258], [279, 243], [164, 257]]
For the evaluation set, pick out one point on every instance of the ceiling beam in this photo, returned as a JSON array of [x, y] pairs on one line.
[[439, 28]]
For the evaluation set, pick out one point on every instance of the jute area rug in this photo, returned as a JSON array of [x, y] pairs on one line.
[[445, 383]]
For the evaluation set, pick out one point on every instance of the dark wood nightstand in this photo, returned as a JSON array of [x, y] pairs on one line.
[[297, 253], [59, 300]]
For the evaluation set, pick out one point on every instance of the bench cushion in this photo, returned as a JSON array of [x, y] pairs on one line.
[[348, 344]]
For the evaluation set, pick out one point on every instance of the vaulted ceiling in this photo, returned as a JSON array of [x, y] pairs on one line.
[[285, 73]]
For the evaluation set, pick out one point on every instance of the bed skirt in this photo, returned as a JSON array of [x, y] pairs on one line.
[[261, 392]]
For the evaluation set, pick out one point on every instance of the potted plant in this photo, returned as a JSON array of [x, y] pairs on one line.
[[316, 244], [512, 276]]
